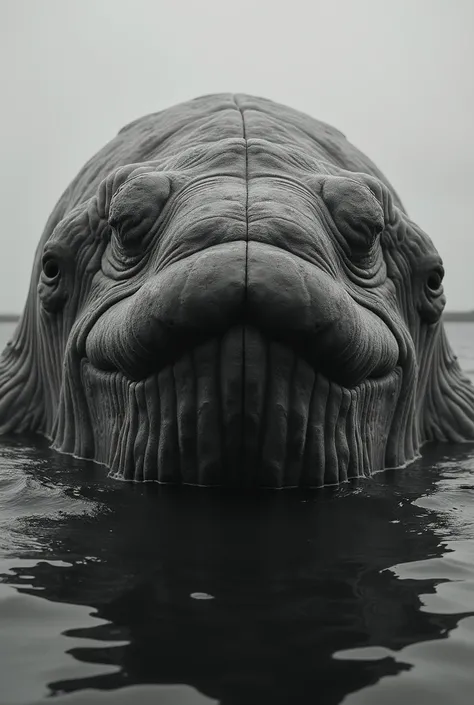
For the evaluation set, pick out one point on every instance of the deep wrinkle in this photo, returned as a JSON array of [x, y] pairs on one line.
[[244, 136]]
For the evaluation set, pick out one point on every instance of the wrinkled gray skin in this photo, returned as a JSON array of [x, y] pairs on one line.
[[230, 293]]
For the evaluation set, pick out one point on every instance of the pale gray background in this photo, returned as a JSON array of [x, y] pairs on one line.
[[395, 77]]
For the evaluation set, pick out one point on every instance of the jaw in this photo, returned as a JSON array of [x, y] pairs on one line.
[[239, 410]]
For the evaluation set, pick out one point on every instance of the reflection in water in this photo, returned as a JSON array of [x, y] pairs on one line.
[[441, 669], [277, 598]]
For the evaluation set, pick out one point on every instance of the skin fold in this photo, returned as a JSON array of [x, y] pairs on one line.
[[230, 293]]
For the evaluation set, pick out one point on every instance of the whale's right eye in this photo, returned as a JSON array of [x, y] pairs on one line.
[[51, 268], [52, 288]]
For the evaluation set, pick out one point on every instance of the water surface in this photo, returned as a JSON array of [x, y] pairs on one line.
[[116, 593]]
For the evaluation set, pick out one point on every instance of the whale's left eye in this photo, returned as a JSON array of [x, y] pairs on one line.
[[435, 279], [431, 298]]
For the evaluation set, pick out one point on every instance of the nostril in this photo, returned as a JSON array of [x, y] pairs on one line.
[[356, 212], [136, 207]]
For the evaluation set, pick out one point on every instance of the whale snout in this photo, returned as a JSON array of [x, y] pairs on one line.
[[286, 298]]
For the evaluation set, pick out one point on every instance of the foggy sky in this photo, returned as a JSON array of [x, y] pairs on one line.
[[395, 76]]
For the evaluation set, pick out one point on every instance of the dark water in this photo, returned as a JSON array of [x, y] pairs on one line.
[[111, 593]]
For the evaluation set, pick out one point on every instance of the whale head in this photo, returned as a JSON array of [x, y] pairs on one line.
[[217, 308]]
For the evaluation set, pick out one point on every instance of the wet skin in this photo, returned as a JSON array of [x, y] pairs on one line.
[[231, 294]]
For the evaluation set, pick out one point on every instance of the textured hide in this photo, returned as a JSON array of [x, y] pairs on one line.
[[230, 293]]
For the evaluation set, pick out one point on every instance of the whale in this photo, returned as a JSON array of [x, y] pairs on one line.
[[231, 294]]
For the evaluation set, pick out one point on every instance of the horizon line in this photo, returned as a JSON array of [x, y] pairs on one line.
[[12, 317]]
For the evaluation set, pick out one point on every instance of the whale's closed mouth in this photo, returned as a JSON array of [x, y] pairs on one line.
[[239, 410]]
